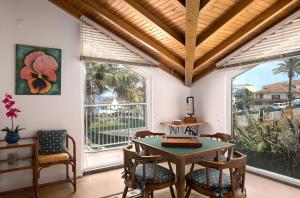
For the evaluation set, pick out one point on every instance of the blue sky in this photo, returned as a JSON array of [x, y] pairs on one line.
[[261, 75]]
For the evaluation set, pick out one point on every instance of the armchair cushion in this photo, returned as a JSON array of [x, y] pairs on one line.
[[198, 177], [43, 159], [162, 174], [52, 141]]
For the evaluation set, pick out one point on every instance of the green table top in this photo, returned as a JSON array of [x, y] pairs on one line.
[[207, 144]]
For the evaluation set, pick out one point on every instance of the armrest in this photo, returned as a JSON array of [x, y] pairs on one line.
[[212, 164], [73, 145]]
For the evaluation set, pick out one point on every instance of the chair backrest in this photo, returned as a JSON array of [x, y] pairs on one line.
[[130, 164], [224, 137], [131, 161], [236, 166], [144, 134]]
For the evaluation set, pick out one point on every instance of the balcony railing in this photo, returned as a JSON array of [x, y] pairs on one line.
[[112, 125]]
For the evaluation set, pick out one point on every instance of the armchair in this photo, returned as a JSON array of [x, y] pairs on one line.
[[53, 149]]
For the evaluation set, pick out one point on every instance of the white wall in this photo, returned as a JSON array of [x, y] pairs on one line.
[[42, 24], [213, 100], [168, 99]]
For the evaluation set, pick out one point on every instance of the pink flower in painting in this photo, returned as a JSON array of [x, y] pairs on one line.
[[39, 71]]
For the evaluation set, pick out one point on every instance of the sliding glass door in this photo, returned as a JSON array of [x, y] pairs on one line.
[[266, 116]]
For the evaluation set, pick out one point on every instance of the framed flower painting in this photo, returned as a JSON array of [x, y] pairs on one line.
[[38, 70]]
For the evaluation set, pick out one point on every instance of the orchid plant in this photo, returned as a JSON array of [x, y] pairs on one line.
[[12, 113]]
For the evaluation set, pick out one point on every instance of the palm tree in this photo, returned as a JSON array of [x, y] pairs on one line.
[[291, 67], [111, 77]]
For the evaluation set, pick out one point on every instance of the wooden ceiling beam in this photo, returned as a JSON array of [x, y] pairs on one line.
[[223, 20], [66, 7], [156, 21], [150, 43], [245, 31], [191, 21]]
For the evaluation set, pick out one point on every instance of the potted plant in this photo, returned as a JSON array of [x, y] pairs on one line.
[[12, 134]]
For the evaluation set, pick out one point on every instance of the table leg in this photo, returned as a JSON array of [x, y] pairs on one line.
[[180, 178]]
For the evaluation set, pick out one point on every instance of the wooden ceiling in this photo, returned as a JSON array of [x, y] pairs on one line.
[[186, 37]]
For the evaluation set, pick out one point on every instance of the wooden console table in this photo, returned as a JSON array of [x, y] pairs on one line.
[[21, 163], [191, 128]]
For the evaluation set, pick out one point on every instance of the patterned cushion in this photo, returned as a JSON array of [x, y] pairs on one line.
[[162, 174], [52, 141], [198, 177]]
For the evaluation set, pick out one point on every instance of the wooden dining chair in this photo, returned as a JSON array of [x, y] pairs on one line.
[[143, 172], [212, 181], [222, 155], [144, 134], [224, 137]]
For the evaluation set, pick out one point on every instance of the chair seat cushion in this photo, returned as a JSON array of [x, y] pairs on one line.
[[198, 177], [43, 159], [162, 174], [51, 141]]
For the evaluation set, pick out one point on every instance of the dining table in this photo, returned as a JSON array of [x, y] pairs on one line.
[[183, 155]]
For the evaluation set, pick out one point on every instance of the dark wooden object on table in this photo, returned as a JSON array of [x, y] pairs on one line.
[[236, 167], [70, 161], [20, 164], [131, 161], [174, 141]]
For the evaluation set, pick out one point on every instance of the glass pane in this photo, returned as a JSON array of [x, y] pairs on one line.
[[266, 116], [115, 108]]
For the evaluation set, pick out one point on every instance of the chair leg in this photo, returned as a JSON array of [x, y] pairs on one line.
[[187, 195], [172, 192], [36, 183], [151, 193], [74, 177], [146, 193], [170, 166], [67, 172], [125, 192], [192, 168]]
